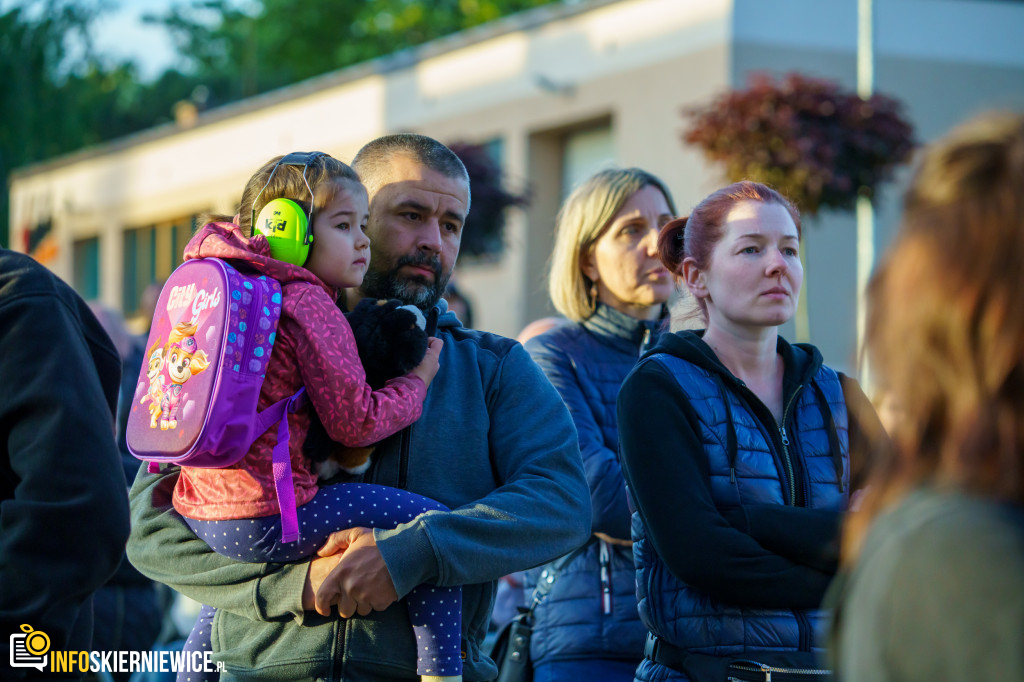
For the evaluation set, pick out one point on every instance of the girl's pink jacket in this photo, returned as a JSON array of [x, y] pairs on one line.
[[314, 348]]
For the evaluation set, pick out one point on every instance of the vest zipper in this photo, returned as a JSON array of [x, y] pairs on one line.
[[606, 576], [644, 341], [767, 670], [786, 460], [802, 627], [790, 478]]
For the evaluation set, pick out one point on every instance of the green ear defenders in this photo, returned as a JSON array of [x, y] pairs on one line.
[[288, 229]]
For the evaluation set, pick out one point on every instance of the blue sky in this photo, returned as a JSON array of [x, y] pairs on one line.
[[122, 34]]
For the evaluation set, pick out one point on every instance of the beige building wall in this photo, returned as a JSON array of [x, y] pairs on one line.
[[945, 60], [532, 82]]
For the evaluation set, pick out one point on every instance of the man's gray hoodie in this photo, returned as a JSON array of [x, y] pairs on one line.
[[495, 444]]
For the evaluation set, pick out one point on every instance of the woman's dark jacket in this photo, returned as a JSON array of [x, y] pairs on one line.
[[737, 515], [587, 362]]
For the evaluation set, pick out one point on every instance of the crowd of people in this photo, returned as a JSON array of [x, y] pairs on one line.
[[702, 504]]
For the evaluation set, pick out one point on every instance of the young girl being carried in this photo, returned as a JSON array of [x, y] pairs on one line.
[[235, 509]]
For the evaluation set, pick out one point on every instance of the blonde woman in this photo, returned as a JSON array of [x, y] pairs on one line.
[[607, 281]]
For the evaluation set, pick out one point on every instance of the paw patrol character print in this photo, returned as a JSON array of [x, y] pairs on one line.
[[182, 361], [155, 392]]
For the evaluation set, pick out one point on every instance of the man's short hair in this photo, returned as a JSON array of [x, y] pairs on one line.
[[372, 161]]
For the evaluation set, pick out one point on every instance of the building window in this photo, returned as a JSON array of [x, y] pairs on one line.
[[585, 152], [150, 255], [495, 150], [86, 268]]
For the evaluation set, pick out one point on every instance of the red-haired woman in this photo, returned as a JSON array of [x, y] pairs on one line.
[[935, 587], [736, 447]]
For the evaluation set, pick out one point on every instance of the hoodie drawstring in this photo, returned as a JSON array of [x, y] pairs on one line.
[[833, 435]]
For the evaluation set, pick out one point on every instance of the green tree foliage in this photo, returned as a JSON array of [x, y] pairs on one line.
[[814, 142], [39, 94], [241, 50], [59, 96]]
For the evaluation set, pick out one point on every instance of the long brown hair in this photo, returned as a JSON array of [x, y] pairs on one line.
[[946, 323]]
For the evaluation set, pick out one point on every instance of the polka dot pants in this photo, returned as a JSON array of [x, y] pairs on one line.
[[435, 612]]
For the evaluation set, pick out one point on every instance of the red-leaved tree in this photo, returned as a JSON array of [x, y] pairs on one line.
[[483, 233], [813, 141]]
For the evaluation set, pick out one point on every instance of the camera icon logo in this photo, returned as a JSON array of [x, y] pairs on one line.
[[29, 648]]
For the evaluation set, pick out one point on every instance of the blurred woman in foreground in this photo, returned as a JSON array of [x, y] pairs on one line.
[[935, 560]]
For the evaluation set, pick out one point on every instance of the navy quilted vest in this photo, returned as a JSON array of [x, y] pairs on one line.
[[577, 620], [685, 616]]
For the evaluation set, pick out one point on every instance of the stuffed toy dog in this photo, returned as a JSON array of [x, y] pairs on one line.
[[392, 340]]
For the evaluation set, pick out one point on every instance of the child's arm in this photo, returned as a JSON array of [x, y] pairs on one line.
[[352, 413]]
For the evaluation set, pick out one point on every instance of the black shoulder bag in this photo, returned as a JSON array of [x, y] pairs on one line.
[[511, 650]]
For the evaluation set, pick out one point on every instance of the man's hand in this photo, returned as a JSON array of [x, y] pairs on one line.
[[360, 582], [319, 569]]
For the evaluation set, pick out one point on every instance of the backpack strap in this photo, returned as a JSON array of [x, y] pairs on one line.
[[282, 461]]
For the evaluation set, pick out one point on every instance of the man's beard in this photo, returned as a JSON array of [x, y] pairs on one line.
[[414, 290]]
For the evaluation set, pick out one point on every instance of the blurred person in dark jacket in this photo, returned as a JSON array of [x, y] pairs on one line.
[[63, 501], [128, 614]]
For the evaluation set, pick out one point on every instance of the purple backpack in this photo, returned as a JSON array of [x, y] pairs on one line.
[[196, 400]]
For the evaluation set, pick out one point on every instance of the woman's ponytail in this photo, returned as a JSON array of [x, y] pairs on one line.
[[671, 245]]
